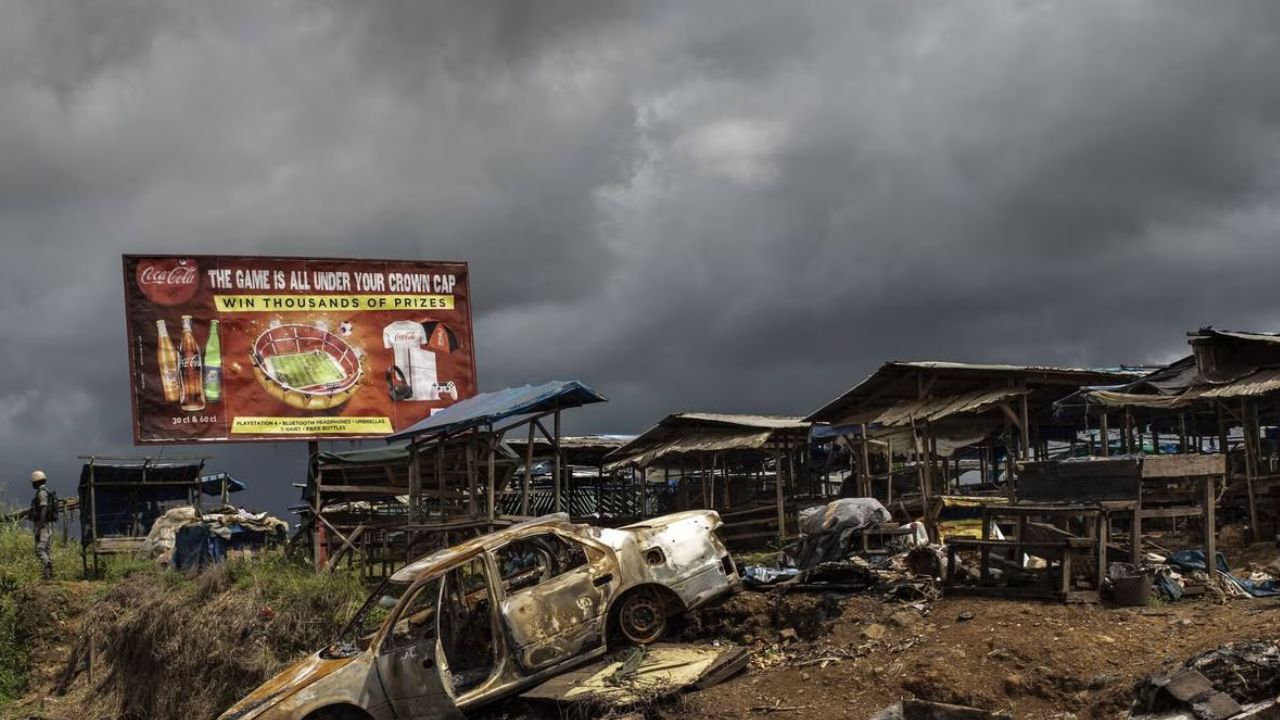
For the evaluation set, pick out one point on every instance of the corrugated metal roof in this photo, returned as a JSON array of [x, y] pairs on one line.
[[578, 442], [1238, 335], [893, 383], [1261, 382], [774, 422], [933, 409], [1004, 368], [491, 407], [1252, 385], [685, 433], [701, 440]]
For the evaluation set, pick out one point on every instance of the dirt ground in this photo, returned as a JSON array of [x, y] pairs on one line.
[[1031, 659], [847, 656]]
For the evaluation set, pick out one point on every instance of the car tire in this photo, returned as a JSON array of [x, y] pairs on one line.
[[642, 617]]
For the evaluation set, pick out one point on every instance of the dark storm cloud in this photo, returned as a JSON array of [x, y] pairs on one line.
[[714, 205]]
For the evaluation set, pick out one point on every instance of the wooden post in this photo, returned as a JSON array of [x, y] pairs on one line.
[[777, 488], [1250, 432], [93, 518], [1128, 430], [724, 474], [440, 484], [1104, 435], [644, 490], [865, 458], [702, 480], [889, 457], [493, 491], [600, 490], [1210, 529], [556, 460], [528, 473], [472, 489], [1026, 426], [415, 484], [791, 468]]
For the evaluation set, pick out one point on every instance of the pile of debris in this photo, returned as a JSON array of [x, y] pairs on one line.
[[1237, 680], [828, 555], [185, 539], [1169, 577]]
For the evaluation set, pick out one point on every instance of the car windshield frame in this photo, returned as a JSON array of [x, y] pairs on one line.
[[349, 640]]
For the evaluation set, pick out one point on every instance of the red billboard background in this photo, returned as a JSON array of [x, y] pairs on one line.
[[301, 348]]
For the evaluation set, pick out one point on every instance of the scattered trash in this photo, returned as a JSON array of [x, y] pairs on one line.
[[761, 576]]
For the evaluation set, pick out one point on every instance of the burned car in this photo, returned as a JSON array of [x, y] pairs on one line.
[[501, 613]]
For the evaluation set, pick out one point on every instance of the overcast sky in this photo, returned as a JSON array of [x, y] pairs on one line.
[[712, 205]]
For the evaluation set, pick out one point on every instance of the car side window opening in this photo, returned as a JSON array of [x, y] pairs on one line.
[[416, 623], [466, 625], [536, 559]]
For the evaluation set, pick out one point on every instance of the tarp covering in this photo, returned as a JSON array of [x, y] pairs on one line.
[[491, 407]]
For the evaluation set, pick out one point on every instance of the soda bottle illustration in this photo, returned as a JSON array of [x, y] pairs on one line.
[[167, 360], [190, 369], [213, 365]]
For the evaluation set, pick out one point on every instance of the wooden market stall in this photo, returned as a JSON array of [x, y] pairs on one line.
[[750, 468], [444, 479], [912, 430], [120, 498]]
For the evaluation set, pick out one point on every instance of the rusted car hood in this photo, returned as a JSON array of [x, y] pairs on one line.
[[287, 682]]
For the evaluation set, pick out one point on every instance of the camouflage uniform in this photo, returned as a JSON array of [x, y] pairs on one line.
[[41, 521]]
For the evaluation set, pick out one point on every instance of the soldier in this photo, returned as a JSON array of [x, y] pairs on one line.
[[43, 515]]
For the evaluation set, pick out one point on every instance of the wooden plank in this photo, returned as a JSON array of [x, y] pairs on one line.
[[1170, 466]]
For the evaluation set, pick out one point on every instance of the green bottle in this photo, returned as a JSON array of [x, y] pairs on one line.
[[213, 365]]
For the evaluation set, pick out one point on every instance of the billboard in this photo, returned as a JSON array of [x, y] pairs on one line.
[[232, 349]]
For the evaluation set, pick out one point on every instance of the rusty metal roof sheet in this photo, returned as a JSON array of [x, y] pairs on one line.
[[691, 433], [895, 382]]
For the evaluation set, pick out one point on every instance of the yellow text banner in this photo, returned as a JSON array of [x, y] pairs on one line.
[[311, 426], [314, 303]]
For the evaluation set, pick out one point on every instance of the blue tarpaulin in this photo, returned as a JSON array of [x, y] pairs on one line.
[[491, 407], [1190, 560]]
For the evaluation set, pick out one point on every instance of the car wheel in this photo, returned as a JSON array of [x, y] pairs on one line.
[[642, 617]]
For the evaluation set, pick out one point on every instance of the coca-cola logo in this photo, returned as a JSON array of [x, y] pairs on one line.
[[404, 337], [168, 281]]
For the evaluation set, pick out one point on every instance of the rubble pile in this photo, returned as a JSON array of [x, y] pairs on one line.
[[1237, 680]]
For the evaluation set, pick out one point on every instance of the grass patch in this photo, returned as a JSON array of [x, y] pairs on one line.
[[19, 572]]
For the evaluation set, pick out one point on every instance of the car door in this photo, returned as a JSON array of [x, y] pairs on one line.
[[406, 661], [556, 590]]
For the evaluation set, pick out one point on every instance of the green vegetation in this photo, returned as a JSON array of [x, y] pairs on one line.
[[241, 622], [19, 570]]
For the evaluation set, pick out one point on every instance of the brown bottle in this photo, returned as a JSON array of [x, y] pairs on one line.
[[191, 370], [167, 360]]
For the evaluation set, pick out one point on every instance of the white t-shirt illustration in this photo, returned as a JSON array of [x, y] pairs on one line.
[[405, 338]]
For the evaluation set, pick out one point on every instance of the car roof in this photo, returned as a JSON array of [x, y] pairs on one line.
[[446, 556]]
